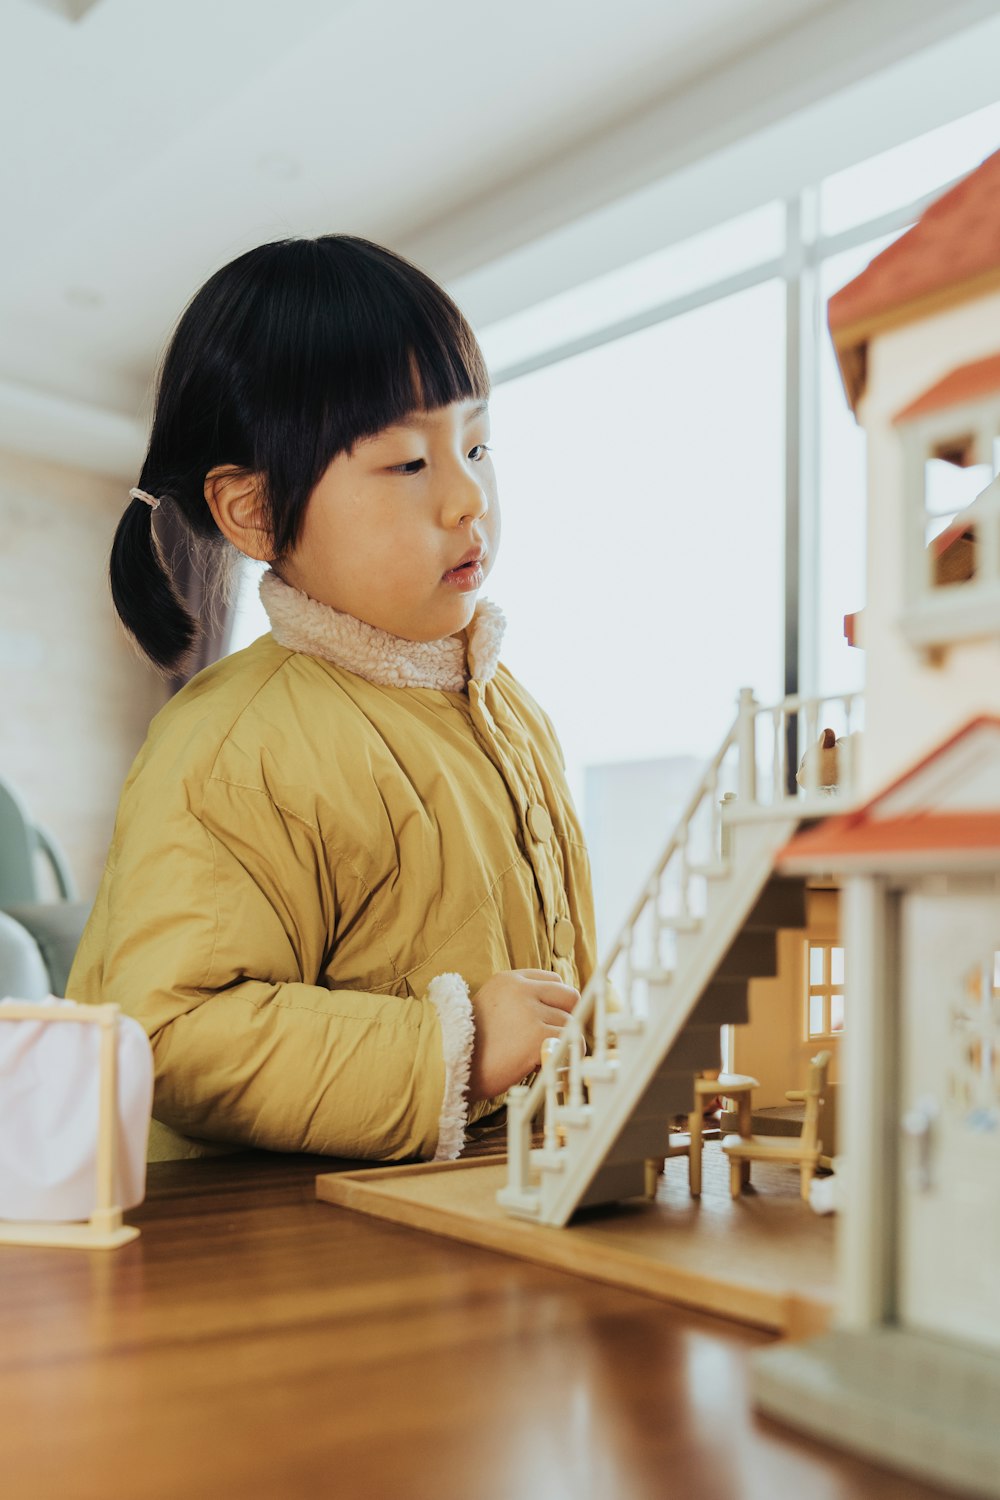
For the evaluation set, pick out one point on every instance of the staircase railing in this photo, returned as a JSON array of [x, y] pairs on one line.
[[735, 786]]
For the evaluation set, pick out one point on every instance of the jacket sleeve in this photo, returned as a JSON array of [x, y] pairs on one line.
[[215, 931]]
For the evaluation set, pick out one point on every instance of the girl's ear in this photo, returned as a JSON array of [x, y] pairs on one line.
[[234, 498]]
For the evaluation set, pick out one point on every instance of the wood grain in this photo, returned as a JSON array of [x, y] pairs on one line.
[[256, 1342]]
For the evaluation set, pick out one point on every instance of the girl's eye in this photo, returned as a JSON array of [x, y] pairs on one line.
[[413, 466]]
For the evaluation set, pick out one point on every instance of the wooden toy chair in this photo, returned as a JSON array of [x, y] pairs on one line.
[[805, 1149]]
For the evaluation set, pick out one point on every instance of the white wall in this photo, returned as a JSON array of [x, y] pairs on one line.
[[76, 698]]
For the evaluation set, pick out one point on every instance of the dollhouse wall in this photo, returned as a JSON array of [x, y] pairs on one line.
[[911, 704]]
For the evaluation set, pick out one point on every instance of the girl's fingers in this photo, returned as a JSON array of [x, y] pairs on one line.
[[554, 992], [537, 974]]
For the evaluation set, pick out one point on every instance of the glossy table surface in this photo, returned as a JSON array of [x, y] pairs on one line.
[[256, 1343]]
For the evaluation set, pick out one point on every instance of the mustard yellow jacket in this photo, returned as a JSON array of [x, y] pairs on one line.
[[304, 859]]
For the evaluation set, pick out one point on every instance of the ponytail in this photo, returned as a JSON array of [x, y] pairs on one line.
[[145, 596]]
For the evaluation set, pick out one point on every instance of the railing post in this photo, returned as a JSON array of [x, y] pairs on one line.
[[549, 1049], [576, 1045], [813, 750], [746, 741], [601, 1021], [518, 1139], [725, 829]]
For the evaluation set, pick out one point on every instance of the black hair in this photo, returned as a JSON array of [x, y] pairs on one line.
[[286, 357]]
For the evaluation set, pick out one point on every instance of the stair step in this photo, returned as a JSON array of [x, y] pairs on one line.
[[640, 1138], [651, 976], [523, 1205], [685, 923], [724, 1002], [576, 1115], [615, 1181], [625, 1025], [697, 1047], [782, 903], [669, 1092], [549, 1161], [595, 1072], [751, 955], [710, 872]]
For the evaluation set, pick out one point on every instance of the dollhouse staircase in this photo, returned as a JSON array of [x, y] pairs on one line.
[[650, 1018]]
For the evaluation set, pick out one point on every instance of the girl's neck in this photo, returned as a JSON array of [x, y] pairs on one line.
[[303, 624]]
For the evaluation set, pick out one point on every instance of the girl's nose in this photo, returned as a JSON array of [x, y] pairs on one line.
[[467, 502]]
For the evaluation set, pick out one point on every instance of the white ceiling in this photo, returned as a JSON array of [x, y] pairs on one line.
[[150, 141]]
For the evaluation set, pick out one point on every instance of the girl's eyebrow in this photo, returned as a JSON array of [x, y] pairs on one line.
[[416, 420]]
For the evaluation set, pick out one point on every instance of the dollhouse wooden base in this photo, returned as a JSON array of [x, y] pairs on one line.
[[765, 1259], [924, 1405]]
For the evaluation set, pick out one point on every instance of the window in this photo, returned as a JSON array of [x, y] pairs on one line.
[[951, 535], [824, 990], [643, 513], [643, 566]]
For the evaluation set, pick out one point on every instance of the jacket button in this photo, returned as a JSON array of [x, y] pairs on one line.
[[563, 938], [539, 822]]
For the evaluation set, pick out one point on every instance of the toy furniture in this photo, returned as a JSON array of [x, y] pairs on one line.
[[804, 1149], [737, 1087], [104, 1230]]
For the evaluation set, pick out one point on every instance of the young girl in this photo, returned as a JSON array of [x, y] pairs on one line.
[[347, 894]]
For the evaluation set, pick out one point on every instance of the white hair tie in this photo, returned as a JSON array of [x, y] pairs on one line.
[[150, 500]]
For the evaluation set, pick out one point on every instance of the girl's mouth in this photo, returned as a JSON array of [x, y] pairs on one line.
[[467, 577]]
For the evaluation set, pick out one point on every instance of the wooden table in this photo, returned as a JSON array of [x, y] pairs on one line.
[[255, 1343]]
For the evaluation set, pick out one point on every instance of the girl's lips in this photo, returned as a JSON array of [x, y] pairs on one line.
[[469, 576]]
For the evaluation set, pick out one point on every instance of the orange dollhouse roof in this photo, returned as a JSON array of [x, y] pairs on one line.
[[951, 253], [967, 383], [900, 827]]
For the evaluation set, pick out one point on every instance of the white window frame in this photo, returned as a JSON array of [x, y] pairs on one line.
[[826, 989], [935, 615]]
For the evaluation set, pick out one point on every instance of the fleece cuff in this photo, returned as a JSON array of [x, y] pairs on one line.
[[449, 994]]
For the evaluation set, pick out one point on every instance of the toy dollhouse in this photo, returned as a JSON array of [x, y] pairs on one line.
[[893, 862], [910, 1374]]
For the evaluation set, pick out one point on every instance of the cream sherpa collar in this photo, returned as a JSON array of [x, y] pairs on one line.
[[303, 624]]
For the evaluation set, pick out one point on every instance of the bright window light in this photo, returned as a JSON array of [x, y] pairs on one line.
[[842, 491], [908, 172], [250, 619], [750, 240], [641, 568]]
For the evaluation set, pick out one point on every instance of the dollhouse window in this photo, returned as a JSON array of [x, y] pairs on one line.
[[824, 990], [951, 511]]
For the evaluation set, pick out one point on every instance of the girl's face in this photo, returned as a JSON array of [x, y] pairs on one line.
[[390, 526]]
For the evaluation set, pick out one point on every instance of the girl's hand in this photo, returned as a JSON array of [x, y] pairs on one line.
[[514, 1013]]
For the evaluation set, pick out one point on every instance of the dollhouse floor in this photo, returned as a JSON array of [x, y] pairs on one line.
[[765, 1259]]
